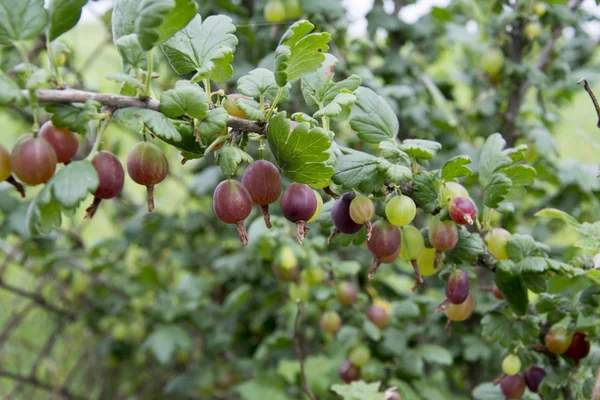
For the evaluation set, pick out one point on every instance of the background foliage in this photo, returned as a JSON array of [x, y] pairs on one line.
[[168, 305]]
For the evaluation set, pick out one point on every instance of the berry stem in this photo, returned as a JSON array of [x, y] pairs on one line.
[[279, 93], [149, 74], [91, 210], [150, 197], [369, 229], [32, 94], [301, 230], [443, 305], [374, 266], [437, 260], [334, 232], [206, 82], [418, 278], [99, 135], [448, 327], [20, 188], [51, 57], [266, 216], [242, 231]]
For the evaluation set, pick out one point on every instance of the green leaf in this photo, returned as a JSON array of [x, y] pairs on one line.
[[159, 124], [488, 391], [75, 118], [299, 52], [72, 184], [435, 354], [123, 19], [66, 189], [391, 152], [262, 387], [319, 87], [455, 168], [208, 129], [497, 188], [21, 20], [229, 157], [468, 248], [64, 15], [302, 117], [558, 214], [158, 20], [130, 80], [521, 246], [521, 176], [10, 93], [132, 55], [419, 148], [205, 47], [339, 106], [492, 158], [237, 299], [425, 194], [531, 264], [179, 16], [358, 170], [513, 288], [395, 173], [261, 82], [150, 16], [502, 327], [358, 390], [372, 117], [214, 123], [371, 330], [186, 98], [165, 340], [405, 309], [535, 282], [301, 154], [252, 109], [442, 104]]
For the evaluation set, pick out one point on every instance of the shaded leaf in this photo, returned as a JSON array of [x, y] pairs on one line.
[[64, 15], [372, 118]]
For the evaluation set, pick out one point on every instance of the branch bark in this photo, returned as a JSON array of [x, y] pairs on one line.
[[116, 101], [517, 94], [298, 348]]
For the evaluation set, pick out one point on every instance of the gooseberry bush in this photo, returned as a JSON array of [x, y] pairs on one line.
[[404, 227]]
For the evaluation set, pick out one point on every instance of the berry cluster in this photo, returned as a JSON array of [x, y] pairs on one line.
[[261, 184], [33, 161], [558, 340]]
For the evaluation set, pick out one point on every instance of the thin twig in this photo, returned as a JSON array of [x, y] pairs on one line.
[[48, 346], [64, 392], [298, 347], [588, 89], [38, 299], [96, 278]]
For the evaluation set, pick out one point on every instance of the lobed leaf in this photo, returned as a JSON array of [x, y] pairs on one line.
[[299, 52], [303, 153], [204, 47]]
